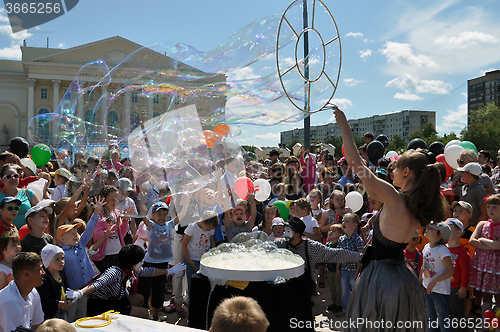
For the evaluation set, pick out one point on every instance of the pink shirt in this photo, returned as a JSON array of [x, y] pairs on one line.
[[100, 228]]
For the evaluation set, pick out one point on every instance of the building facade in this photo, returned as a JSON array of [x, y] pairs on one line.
[[398, 123], [36, 84], [483, 90]]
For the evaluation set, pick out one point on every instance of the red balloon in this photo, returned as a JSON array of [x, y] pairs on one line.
[[490, 318], [242, 186], [343, 150], [449, 170]]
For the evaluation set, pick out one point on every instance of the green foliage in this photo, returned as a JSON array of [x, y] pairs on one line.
[[396, 144], [337, 143], [249, 148], [290, 146], [484, 129]]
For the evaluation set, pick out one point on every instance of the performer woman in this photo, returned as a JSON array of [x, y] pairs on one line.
[[386, 289]]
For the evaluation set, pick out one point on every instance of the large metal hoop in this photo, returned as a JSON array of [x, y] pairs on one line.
[[308, 82]]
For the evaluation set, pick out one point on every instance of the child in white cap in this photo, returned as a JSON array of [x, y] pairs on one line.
[[54, 287], [278, 228]]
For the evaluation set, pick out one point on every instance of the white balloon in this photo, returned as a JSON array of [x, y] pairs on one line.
[[391, 154], [37, 187], [452, 154], [262, 189], [452, 142], [354, 201]]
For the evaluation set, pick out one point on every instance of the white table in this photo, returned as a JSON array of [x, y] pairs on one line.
[[124, 323]]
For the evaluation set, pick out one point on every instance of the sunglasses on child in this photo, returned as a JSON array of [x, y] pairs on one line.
[[11, 208], [10, 176]]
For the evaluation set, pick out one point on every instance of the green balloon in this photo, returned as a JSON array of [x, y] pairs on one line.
[[468, 146], [40, 154], [284, 212]]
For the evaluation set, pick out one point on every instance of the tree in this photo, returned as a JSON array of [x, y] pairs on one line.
[[337, 143], [249, 148], [484, 129], [290, 146], [396, 143]]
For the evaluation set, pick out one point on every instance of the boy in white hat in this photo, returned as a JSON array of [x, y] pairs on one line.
[[278, 228], [55, 285]]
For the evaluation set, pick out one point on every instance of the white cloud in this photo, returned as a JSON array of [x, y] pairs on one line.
[[465, 39], [351, 81], [16, 39], [364, 54], [61, 45], [365, 40], [354, 34], [268, 136], [411, 84], [459, 38], [454, 120], [407, 96], [402, 53], [482, 72], [342, 103], [3, 17]]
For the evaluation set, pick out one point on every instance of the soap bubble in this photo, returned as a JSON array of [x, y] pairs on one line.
[[160, 100], [253, 243], [241, 238], [259, 235], [227, 247], [269, 247]]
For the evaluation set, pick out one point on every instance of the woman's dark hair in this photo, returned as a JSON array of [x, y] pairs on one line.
[[269, 207], [326, 170], [6, 167], [106, 190], [130, 255], [290, 185], [442, 171], [424, 199], [287, 169]]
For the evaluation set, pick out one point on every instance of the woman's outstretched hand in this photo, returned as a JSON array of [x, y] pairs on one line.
[[340, 117]]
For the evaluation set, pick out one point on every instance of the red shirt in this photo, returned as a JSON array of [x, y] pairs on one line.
[[411, 257], [461, 261]]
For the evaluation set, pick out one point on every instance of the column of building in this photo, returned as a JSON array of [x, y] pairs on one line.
[[55, 89], [31, 103]]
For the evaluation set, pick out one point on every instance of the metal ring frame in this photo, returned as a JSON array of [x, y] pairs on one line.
[[296, 65]]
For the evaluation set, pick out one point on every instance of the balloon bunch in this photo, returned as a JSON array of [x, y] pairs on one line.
[[210, 137], [453, 150], [244, 185]]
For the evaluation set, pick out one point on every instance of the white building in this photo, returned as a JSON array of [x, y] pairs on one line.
[[36, 84], [398, 123]]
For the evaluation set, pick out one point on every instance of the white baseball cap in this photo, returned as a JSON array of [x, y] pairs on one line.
[[48, 253], [472, 168]]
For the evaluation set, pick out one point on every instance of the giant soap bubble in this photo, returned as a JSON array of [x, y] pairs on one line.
[[164, 101]]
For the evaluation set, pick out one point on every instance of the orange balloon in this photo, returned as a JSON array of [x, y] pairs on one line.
[[211, 142], [208, 134], [219, 136], [224, 129]]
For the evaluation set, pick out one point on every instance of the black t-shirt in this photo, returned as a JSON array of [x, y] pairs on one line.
[[35, 244]]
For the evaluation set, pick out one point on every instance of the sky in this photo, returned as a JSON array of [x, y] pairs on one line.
[[396, 55]]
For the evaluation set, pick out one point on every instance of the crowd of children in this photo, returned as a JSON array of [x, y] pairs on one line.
[[85, 225]]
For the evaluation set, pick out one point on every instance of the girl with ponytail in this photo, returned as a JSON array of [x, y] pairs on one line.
[[386, 289]]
